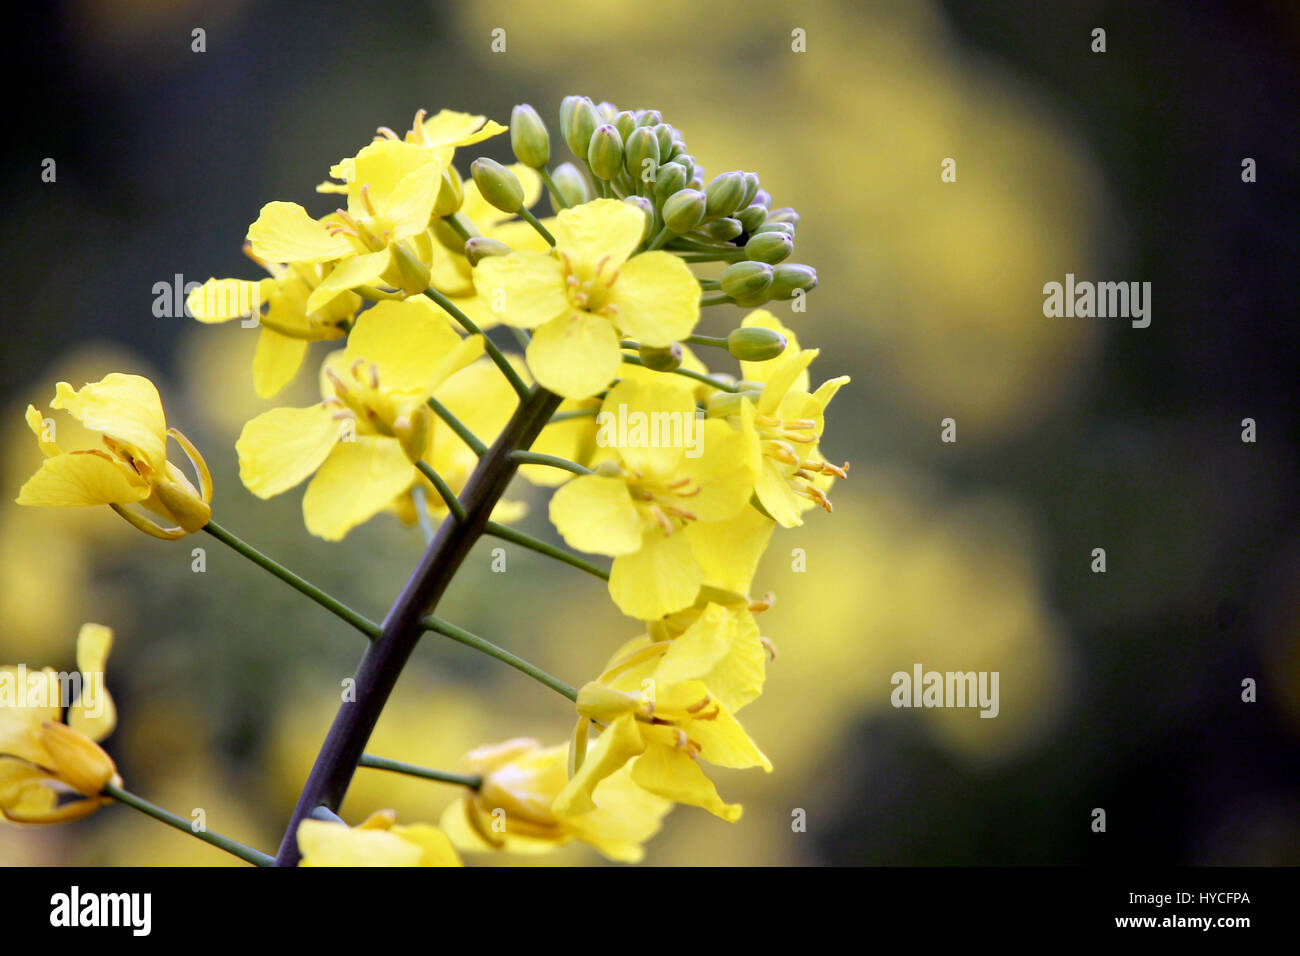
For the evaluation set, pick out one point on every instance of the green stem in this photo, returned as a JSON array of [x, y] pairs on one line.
[[462, 636], [459, 227], [554, 461], [533, 221], [573, 413], [421, 500], [506, 533], [556, 196], [489, 346], [717, 341], [444, 489], [412, 770], [697, 376], [245, 853], [362, 624], [716, 300], [456, 425]]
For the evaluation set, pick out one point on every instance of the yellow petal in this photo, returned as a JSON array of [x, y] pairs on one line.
[[763, 371], [728, 551], [358, 480], [436, 849], [777, 497], [220, 300], [523, 289], [41, 694], [576, 355], [284, 232], [724, 472], [77, 760], [93, 713], [281, 447], [596, 514], [44, 432], [454, 128], [657, 298], [603, 228], [347, 275], [671, 774], [82, 479], [124, 407], [396, 182], [660, 578], [618, 743], [334, 844], [412, 348], [699, 649], [650, 422]]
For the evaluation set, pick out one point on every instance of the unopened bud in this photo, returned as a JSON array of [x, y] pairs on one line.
[[605, 152], [528, 137], [683, 210], [769, 247], [770, 226], [743, 281], [751, 190], [723, 230], [582, 120], [412, 431], [450, 194], [647, 209], [787, 278], [480, 247], [670, 178], [662, 360], [498, 185], [725, 193], [571, 184], [641, 154], [755, 344], [751, 217]]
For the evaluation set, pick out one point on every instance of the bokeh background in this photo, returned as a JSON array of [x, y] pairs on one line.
[[1119, 690]]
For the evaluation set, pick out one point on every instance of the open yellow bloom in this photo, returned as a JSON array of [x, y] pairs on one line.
[[378, 841], [660, 715], [511, 811], [641, 503], [361, 440], [789, 422], [52, 770], [280, 304], [131, 467], [587, 292]]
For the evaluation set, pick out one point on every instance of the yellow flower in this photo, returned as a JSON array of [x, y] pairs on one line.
[[643, 504], [588, 291], [378, 841], [511, 811], [383, 234], [789, 422], [131, 468], [45, 761], [287, 328], [660, 715], [361, 440]]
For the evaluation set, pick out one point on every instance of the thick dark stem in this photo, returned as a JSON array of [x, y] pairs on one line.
[[385, 657]]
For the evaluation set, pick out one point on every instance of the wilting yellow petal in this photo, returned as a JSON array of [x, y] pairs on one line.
[[93, 713], [82, 479], [618, 743], [124, 407], [671, 774]]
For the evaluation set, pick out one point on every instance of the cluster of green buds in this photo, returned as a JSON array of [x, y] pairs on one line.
[[637, 157]]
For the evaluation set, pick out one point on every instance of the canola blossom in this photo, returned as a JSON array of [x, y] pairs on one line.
[[484, 321]]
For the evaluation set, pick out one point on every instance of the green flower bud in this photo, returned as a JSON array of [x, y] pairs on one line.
[[625, 122], [480, 247], [605, 154], [662, 360], [670, 178], [649, 118], [683, 210], [763, 198], [688, 161], [755, 344], [449, 237], [678, 147], [566, 111], [641, 156], [450, 194], [664, 136], [751, 190], [528, 137], [744, 281], [608, 112], [647, 209], [782, 227], [751, 217], [571, 184], [723, 230], [769, 247], [787, 278], [724, 192], [497, 185], [582, 122], [784, 214]]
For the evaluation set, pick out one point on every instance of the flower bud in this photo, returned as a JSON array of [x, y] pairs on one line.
[[770, 226], [670, 178], [723, 230], [450, 194], [787, 278], [449, 237], [724, 192], [664, 136], [683, 210], [582, 121], [751, 217], [605, 153], [412, 431], [497, 185], [625, 122], [784, 214], [722, 404], [649, 118], [769, 247], [571, 184], [174, 495], [751, 190], [640, 147], [78, 761], [662, 360], [607, 112], [406, 271], [528, 137], [480, 247], [647, 209], [755, 344], [764, 199], [743, 281]]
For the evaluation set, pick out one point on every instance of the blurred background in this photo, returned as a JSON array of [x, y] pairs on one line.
[[1119, 690]]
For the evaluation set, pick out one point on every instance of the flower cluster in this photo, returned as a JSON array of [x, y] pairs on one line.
[[677, 472]]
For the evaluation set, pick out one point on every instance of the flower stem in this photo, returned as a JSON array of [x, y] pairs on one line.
[[462, 636], [383, 660], [506, 533], [537, 458], [335, 606], [245, 853], [533, 221], [455, 424], [556, 197], [573, 413], [412, 770], [489, 346], [444, 490], [698, 376], [420, 498]]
